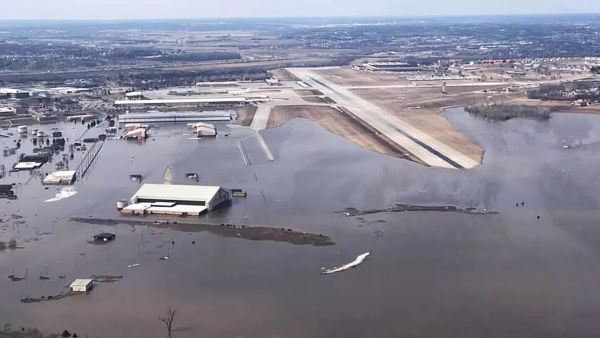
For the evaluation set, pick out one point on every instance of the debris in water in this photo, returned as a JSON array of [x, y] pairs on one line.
[[353, 212], [134, 265], [106, 278], [62, 194], [168, 175], [356, 262], [15, 278], [28, 299]]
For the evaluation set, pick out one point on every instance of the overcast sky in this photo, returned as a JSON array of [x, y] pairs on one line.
[[147, 9]]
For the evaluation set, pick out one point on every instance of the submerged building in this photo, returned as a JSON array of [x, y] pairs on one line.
[[203, 129], [178, 200], [65, 177]]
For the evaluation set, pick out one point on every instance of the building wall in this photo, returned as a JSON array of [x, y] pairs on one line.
[[220, 198]]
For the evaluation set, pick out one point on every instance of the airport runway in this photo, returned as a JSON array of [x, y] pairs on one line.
[[423, 146], [449, 84]]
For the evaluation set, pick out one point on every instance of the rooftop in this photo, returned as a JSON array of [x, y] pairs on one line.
[[181, 101], [182, 193], [81, 282]]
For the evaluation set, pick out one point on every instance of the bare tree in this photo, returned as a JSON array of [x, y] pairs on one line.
[[168, 321]]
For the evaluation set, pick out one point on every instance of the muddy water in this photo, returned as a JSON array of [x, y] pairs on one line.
[[430, 274]]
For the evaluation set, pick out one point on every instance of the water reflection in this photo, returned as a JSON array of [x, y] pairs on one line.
[[430, 274]]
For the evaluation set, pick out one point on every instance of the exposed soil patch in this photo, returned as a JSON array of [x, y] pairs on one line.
[[254, 233]]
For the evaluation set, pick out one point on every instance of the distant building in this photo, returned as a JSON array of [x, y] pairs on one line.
[[84, 117], [7, 112], [397, 67], [135, 96], [274, 81], [14, 93], [217, 84]]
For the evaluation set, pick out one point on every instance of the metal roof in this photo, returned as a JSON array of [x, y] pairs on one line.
[[179, 209], [63, 173], [183, 193], [171, 117], [27, 165], [180, 101], [81, 282]]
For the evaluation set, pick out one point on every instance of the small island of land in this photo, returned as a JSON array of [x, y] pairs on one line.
[[502, 112]]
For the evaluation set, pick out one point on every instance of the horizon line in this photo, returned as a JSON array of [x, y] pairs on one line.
[[408, 16]]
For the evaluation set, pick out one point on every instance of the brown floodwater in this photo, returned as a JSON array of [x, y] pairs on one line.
[[430, 274]]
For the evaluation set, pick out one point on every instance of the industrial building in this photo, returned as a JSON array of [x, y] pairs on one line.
[[133, 126], [217, 84], [174, 117], [398, 67], [197, 102], [7, 112], [14, 93], [85, 117], [6, 191], [135, 96], [60, 178], [30, 162], [178, 200]]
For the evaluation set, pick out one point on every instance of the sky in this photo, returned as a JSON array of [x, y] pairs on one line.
[[172, 9]]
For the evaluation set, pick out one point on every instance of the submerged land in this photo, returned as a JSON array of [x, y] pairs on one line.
[[453, 158]]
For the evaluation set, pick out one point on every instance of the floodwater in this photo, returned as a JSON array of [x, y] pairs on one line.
[[429, 274]]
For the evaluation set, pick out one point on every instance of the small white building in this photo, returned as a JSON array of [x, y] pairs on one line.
[[206, 131], [135, 96], [133, 126], [82, 285], [274, 81], [137, 134], [7, 111], [203, 129], [83, 117]]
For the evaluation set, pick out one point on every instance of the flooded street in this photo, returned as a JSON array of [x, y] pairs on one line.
[[531, 270]]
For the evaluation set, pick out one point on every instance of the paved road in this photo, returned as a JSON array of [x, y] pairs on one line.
[[420, 144], [261, 117]]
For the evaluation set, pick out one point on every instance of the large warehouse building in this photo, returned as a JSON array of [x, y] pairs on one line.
[[180, 200], [186, 103], [175, 117]]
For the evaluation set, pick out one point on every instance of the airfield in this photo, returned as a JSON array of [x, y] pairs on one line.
[[395, 114]]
